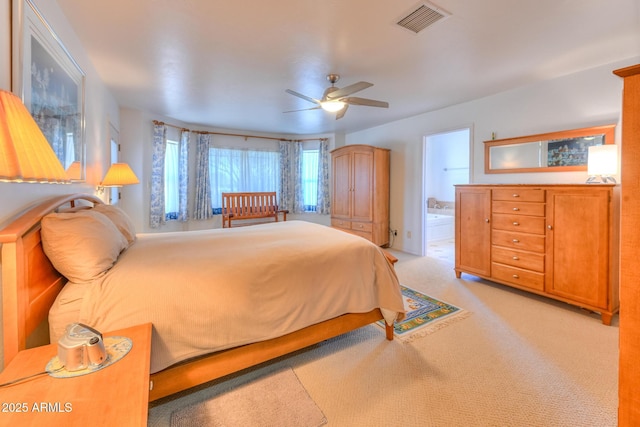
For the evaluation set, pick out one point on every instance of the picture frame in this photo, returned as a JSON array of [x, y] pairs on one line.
[[562, 151], [51, 85]]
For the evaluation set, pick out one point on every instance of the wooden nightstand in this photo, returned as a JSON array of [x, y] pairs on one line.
[[117, 395]]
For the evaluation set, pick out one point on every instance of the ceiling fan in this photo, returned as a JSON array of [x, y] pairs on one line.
[[337, 100]]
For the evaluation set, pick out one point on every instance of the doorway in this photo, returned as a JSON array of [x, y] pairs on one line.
[[446, 163]]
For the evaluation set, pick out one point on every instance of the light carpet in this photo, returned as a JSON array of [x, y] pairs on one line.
[[520, 360], [278, 400], [425, 315]]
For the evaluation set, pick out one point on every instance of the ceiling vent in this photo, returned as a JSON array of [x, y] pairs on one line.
[[425, 15]]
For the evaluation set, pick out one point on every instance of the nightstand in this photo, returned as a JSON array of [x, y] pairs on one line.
[[117, 395]]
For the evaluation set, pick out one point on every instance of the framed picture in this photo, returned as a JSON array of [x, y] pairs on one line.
[[51, 85]]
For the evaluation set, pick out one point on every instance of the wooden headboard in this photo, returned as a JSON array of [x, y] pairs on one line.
[[30, 284]]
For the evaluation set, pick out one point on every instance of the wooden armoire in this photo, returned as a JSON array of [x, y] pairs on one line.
[[629, 368], [360, 191]]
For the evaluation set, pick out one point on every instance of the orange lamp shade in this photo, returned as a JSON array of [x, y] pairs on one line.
[[119, 174], [25, 153]]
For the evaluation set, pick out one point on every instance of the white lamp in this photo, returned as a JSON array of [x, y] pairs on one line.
[[602, 164]]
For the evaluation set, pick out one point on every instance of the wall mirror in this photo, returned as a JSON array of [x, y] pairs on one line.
[[562, 151]]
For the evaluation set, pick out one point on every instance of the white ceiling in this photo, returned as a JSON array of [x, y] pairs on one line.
[[226, 64]]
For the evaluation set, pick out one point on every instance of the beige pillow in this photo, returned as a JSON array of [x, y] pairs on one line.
[[120, 219], [82, 245]]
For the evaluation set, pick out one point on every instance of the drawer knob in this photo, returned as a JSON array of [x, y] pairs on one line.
[[515, 195], [486, 220], [515, 276], [516, 223], [516, 209], [516, 241], [550, 227], [515, 258], [361, 226]]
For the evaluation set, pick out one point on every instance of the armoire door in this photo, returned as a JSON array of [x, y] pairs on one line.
[[362, 179], [341, 200]]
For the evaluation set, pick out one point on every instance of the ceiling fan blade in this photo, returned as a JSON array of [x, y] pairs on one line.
[[340, 113], [366, 102], [299, 95], [304, 109], [348, 90]]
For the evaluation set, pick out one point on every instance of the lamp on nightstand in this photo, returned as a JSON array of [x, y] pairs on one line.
[[602, 164]]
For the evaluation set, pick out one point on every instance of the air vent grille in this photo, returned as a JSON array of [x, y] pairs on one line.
[[421, 18]]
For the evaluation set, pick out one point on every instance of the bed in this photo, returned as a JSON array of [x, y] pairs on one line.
[[332, 282]]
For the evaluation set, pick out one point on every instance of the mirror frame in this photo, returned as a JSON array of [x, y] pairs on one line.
[[607, 130]]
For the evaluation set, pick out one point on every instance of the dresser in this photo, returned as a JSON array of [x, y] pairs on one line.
[[559, 241], [360, 191]]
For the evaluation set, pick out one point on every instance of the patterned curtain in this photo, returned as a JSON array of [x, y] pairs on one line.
[[156, 210], [183, 176], [203, 183], [291, 196], [324, 200]]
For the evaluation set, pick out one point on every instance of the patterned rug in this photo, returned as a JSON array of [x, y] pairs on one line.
[[425, 315]]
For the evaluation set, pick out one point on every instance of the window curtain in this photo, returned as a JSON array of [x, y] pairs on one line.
[[156, 210], [291, 197], [203, 184], [233, 170], [324, 200], [183, 176]]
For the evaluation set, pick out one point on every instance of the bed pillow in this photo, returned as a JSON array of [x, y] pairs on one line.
[[120, 219], [83, 245]]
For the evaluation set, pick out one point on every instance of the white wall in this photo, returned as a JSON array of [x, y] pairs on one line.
[[588, 98]]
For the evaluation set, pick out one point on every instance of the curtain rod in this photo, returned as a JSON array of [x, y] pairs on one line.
[[156, 122]]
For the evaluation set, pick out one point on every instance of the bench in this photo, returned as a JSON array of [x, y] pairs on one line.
[[243, 206]]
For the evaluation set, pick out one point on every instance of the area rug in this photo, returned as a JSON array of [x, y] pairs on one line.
[[278, 399], [425, 315]]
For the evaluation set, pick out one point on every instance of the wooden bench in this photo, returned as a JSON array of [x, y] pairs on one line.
[[243, 206]]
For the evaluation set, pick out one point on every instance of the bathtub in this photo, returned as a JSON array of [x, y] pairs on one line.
[[440, 227]]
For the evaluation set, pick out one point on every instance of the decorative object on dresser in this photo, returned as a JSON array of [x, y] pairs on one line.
[[360, 193], [560, 241]]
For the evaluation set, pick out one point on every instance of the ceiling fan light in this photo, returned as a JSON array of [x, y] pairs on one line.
[[332, 106]]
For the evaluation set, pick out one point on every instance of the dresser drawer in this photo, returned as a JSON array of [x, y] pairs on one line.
[[339, 223], [518, 194], [520, 259], [518, 208], [520, 241], [366, 227], [519, 223], [518, 276]]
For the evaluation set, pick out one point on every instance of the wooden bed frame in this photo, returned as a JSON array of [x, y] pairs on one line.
[[30, 285]]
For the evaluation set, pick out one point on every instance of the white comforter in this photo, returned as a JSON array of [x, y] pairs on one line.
[[209, 290]]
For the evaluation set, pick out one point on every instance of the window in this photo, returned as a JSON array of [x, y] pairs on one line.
[[232, 170], [171, 181], [310, 179]]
